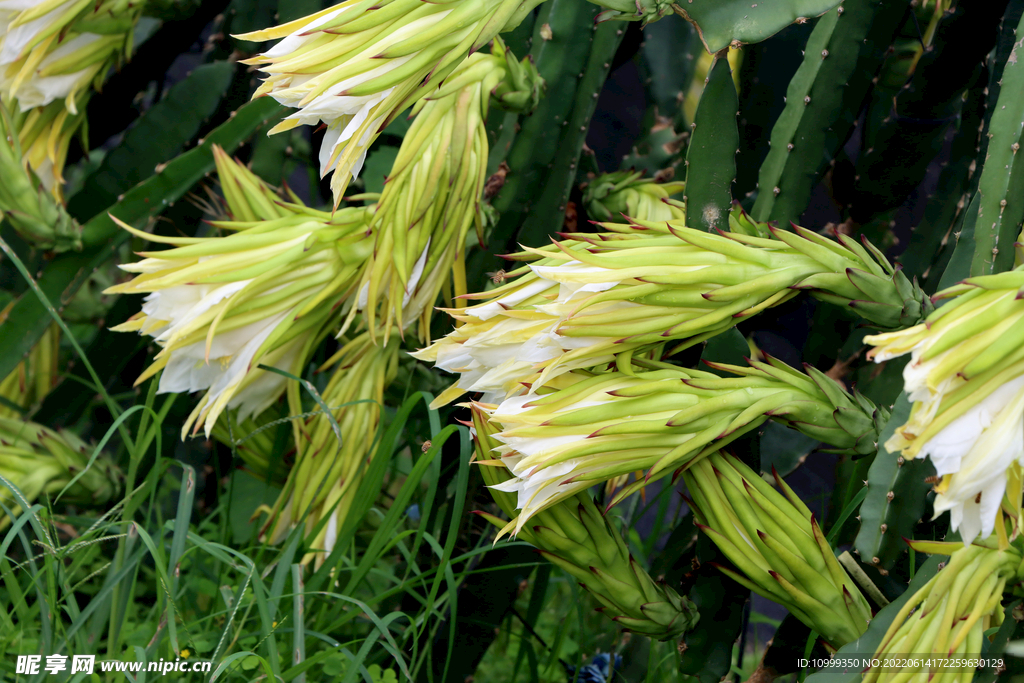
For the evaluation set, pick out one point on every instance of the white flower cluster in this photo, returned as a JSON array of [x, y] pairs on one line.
[[966, 381]]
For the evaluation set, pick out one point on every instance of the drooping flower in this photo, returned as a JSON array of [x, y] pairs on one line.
[[591, 297], [966, 381], [356, 65], [430, 201], [588, 428], [53, 53], [434, 193], [218, 307]]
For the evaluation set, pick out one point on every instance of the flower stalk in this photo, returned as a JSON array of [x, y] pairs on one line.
[[624, 195]]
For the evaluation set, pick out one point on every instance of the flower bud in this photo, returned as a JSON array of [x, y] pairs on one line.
[[522, 87], [644, 11], [248, 198], [329, 466], [355, 67], [776, 546], [950, 616], [575, 536], [623, 195], [40, 461]]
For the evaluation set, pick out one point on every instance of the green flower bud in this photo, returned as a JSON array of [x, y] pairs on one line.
[[327, 472], [951, 614], [618, 197], [40, 461], [644, 11], [522, 87], [249, 199], [776, 546]]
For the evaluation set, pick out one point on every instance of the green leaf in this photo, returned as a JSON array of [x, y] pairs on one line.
[[722, 22], [158, 136], [247, 494], [711, 154]]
